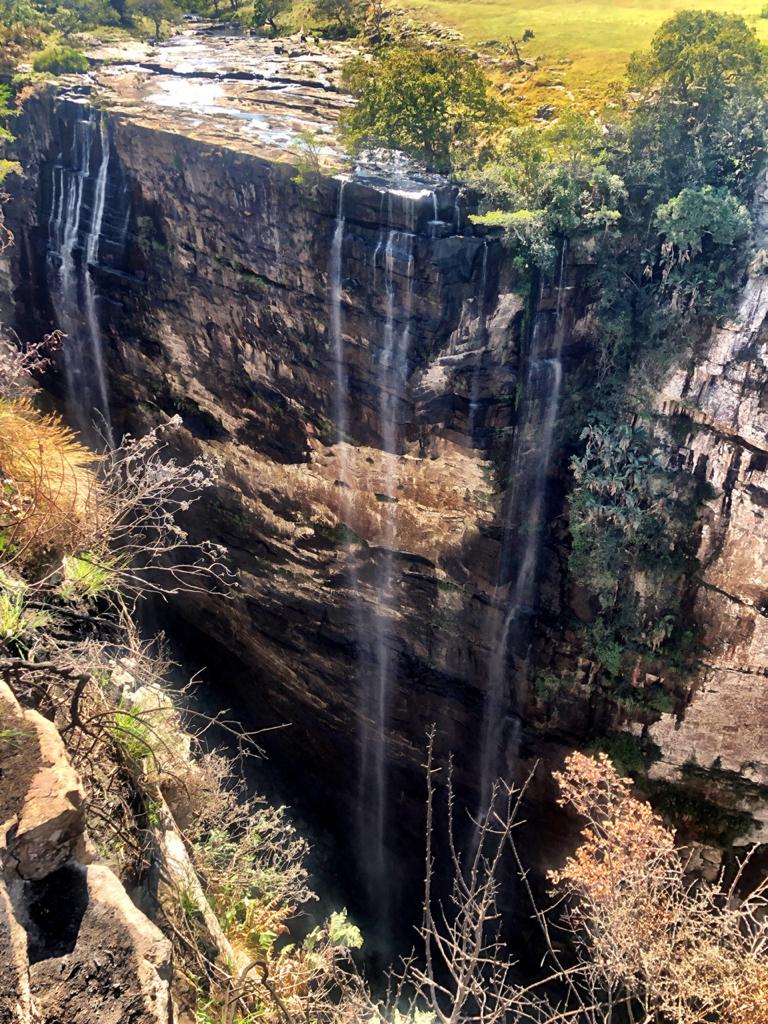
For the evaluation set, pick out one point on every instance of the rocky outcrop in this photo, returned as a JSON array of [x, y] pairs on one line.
[[719, 745], [42, 810], [75, 948]]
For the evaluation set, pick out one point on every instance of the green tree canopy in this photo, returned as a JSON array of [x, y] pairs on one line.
[[550, 182], [697, 215], [425, 102], [82, 15], [157, 11], [701, 119]]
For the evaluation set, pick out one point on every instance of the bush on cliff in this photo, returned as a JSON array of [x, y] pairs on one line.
[[59, 60]]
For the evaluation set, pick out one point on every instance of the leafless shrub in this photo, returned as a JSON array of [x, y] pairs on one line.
[[462, 972], [138, 542], [20, 364]]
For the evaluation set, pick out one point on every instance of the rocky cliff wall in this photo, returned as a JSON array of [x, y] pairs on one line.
[[214, 275]]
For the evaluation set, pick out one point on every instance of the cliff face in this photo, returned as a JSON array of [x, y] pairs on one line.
[[721, 389], [377, 390]]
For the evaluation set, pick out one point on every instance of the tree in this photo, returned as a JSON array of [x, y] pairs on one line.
[[266, 12], [425, 102], [701, 119], [83, 15], [698, 216], [648, 938], [157, 11], [345, 13], [543, 185], [515, 44]]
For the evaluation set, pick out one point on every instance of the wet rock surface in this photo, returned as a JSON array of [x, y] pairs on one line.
[[257, 94]]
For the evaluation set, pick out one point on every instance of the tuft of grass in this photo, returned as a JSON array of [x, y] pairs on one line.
[[132, 735], [13, 737], [48, 489], [16, 619], [88, 575]]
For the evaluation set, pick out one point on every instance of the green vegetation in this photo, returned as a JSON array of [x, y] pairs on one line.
[[17, 621], [89, 575], [13, 737], [427, 103], [263, 13], [630, 754], [694, 814], [156, 11], [543, 185], [626, 517], [60, 60]]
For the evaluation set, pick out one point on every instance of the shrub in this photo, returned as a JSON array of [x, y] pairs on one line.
[[60, 60], [668, 950], [49, 491], [630, 754]]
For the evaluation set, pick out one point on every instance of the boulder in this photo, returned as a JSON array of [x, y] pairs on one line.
[[118, 969], [41, 798]]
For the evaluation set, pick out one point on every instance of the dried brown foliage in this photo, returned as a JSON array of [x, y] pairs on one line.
[[19, 364], [49, 493], [672, 949]]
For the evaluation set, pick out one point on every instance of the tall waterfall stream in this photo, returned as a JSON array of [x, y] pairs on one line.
[[78, 199], [79, 210], [523, 528]]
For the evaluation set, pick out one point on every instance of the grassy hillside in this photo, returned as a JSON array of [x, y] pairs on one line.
[[596, 37]]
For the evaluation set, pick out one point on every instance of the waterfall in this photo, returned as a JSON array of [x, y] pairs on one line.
[[435, 215], [74, 234], [529, 469], [334, 281], [376, 680], [482, 336]]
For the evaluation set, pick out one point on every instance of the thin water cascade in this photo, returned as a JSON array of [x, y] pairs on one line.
[[341, 415], [529, 470], [482, 335], [377, 678], [74, 234]]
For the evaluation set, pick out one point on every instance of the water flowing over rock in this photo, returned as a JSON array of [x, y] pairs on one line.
[[357, 355], [523, 527], [78, 198]]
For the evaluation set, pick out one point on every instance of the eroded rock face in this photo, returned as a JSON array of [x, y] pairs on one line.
[[215, 281], [724, 730], [214, 299], [116, 968], [74, 947]]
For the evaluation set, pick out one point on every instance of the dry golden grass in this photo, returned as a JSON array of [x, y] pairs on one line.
[[49, 492]]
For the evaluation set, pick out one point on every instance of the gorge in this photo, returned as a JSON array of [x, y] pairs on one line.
[[393, 405]]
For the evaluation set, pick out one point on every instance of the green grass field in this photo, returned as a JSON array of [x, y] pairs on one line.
[[596, 37]]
